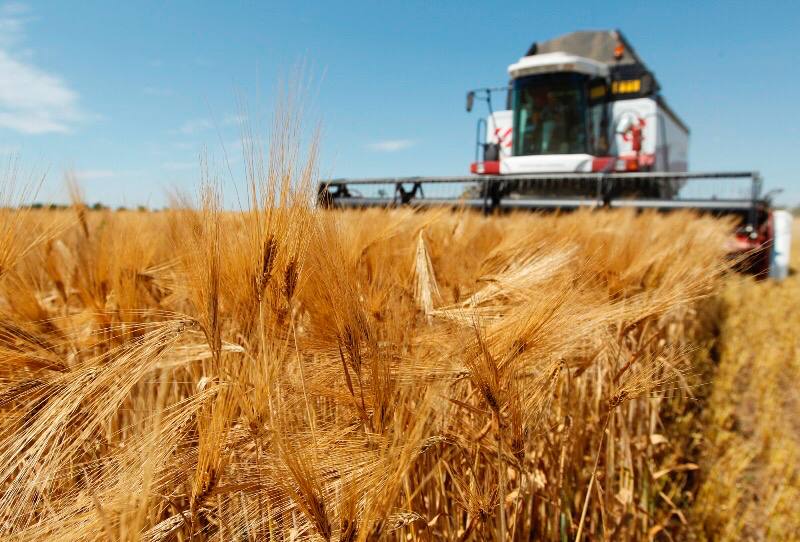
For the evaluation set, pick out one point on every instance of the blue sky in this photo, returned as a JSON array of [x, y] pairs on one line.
[[126, 94]]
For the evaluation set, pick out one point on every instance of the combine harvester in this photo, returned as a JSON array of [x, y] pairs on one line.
[[585, 126]]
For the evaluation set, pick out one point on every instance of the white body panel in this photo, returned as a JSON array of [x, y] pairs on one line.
[[626, 113], [554, 63], [781, 245], [664, 139], [546, 163]]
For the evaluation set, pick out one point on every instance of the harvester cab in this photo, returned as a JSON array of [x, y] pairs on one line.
[[581, 103], [584, 125]]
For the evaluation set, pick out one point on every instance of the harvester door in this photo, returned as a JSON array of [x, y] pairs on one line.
[[599, 140]]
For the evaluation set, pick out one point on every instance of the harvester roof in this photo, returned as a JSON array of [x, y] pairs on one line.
[[598, 45]]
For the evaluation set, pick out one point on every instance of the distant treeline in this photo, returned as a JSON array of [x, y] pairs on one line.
[[96, 207], [143, 208]]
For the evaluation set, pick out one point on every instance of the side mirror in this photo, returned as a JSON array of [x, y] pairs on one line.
[[470, 100]]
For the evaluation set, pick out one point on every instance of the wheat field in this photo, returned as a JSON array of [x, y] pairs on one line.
[[289, 373], [752, 437]]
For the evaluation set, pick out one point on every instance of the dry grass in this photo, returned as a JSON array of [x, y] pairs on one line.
[[752, 488], [290, 374]]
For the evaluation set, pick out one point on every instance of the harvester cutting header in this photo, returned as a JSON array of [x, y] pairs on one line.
[[584, 125]]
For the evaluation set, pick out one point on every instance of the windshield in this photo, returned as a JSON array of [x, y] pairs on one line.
[[550, 114]]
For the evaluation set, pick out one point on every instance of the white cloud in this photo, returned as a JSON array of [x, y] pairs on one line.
[[15, 8], [104, 174], [234, 119], [194, 126], [179, 166], [32, 101], [186, 146], [94, 174], [391, 145], [13, 17], [158, 91], [233, 150]]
